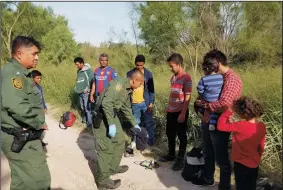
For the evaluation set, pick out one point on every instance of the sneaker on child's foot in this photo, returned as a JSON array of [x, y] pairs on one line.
[[126, 155], [129, 152]]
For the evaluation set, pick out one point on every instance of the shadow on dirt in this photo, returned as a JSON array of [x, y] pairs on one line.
[[86, 143]]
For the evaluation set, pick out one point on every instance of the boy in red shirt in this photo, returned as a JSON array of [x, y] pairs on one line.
[[177, 111], [248, 136]]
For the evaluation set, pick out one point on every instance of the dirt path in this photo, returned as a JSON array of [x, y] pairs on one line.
[[71, 155]]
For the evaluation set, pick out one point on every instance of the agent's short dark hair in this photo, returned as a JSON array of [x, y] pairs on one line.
[[35, 73], [24, 41], [79, 59], [247, 108], [215, 55], [140, 58], [176, 58], [104, 55]]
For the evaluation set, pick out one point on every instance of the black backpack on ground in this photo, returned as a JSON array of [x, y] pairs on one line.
[[194, 163]]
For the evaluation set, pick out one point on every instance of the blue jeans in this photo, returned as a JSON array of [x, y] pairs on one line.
[[85, 109], [145, 119]]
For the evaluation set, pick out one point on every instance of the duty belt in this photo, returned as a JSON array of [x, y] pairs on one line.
[[7, 130]]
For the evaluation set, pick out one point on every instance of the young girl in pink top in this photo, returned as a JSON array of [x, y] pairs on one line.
[[248, 136]]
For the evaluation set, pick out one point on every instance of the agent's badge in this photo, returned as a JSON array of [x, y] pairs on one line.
[[118, 87], [17, 83]]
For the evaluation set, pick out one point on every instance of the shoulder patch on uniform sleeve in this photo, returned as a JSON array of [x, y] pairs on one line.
[[118, 87], [17, 83]]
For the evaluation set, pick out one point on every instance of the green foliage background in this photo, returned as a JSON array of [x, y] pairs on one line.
[[249, 33]]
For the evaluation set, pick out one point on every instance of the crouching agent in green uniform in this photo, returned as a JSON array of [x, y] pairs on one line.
[[23, 119], [109, 135]]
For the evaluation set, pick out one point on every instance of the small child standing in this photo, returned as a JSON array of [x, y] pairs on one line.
[[248, 136], [209, 89], [36, 76]]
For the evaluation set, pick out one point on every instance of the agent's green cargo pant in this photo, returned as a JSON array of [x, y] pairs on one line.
[[29, 169], [109, 151]]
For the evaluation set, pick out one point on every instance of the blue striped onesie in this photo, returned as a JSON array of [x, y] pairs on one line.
[[209, 89]]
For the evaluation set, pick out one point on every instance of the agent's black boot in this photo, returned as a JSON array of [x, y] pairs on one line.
[[122, 169], [113, 185]]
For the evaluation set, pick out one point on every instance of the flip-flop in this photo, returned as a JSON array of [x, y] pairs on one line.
[[148, 164]]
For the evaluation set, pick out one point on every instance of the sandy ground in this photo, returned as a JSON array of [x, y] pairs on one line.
[[71, 156]]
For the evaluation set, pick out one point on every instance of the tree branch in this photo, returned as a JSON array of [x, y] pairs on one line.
[[12, 27]]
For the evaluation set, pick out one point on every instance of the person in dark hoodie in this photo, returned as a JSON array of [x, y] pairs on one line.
[[142, 99], [83, 88]]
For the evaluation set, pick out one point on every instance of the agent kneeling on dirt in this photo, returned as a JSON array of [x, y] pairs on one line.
[[109, 135]]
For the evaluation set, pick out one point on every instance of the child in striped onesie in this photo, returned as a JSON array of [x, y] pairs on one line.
[[209, 89]]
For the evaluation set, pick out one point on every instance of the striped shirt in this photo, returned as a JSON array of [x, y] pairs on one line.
[[209, 87], [181, 85], [102, 77]]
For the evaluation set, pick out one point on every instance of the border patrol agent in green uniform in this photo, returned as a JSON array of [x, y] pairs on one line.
[[109, 135], [22, 118]]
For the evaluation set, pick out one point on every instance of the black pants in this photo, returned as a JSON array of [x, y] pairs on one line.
[[174, 128], [245, 177], [215, 148]]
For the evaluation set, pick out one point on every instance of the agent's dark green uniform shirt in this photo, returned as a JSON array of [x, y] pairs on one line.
[[110, 150], [21, 100], [117, 97], [21, 107]]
